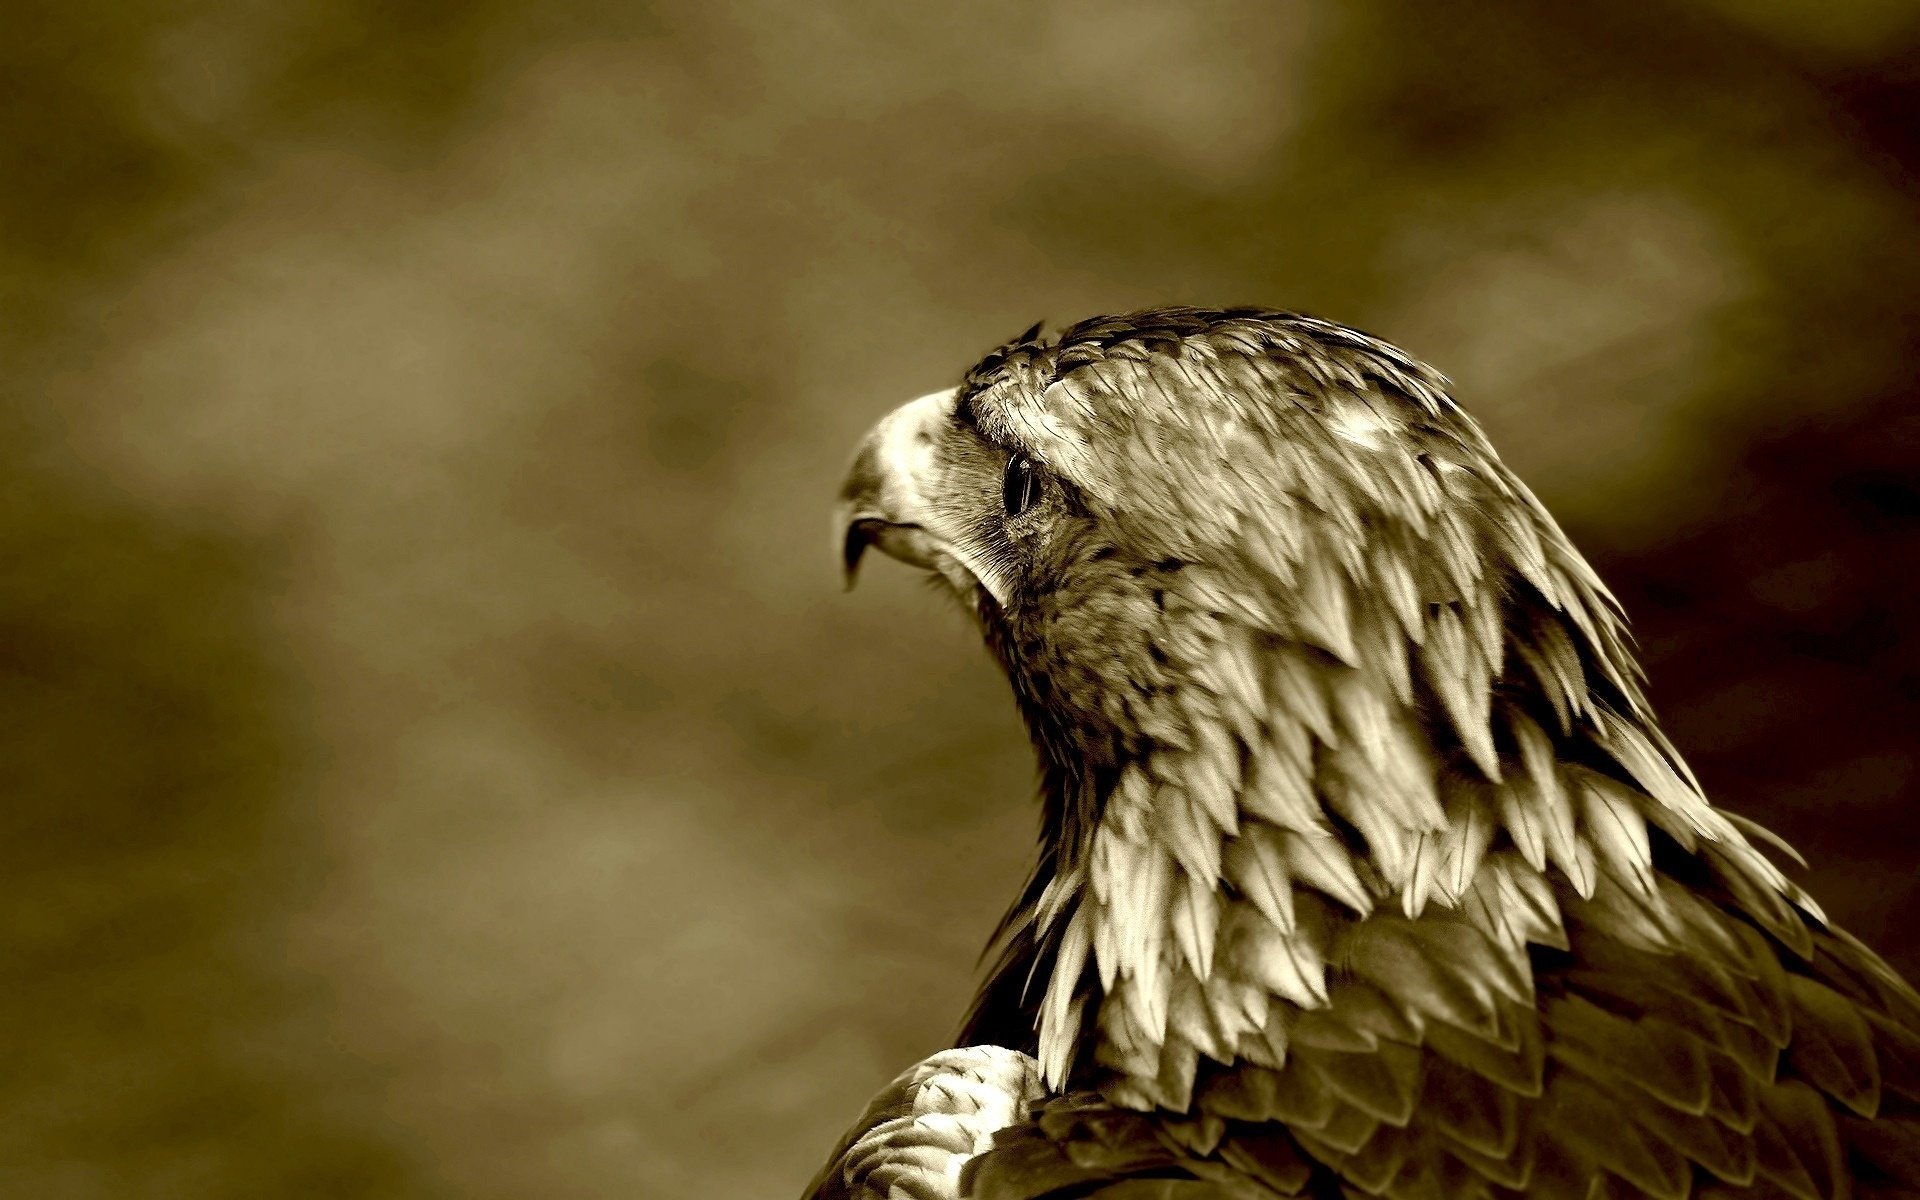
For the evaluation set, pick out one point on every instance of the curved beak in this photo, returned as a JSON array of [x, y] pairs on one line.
[[884, 502]]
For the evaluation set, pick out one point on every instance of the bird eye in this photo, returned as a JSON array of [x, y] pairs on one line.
[[1020, 486]]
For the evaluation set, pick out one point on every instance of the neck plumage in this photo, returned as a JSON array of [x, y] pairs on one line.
[[1290, 789]]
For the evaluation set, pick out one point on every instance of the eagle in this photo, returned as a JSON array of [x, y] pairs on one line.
[[1365, 869]]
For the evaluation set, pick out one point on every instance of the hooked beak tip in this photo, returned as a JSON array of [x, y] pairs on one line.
[[853, 545]]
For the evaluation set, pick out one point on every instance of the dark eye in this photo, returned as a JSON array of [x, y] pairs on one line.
[[1020, 486]]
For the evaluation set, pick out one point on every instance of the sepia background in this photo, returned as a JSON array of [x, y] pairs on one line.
[[437, 758]]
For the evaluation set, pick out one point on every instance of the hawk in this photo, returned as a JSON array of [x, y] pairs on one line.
[[1365, 869]]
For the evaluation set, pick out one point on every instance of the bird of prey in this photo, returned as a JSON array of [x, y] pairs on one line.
[[1365, 869]]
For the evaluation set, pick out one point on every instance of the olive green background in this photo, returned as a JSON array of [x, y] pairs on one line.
[[437, 759]]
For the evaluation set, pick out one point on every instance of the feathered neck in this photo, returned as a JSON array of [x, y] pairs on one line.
[[1289, 778]]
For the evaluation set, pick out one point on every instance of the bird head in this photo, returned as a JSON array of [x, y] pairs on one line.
[[1151, 503]]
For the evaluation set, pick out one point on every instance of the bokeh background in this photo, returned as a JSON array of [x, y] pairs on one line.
[[437, 759]]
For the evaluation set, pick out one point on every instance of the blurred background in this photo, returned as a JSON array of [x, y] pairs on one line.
[[438, 760]]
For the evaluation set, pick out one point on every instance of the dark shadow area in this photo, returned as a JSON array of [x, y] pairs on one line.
[[151, 746]]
